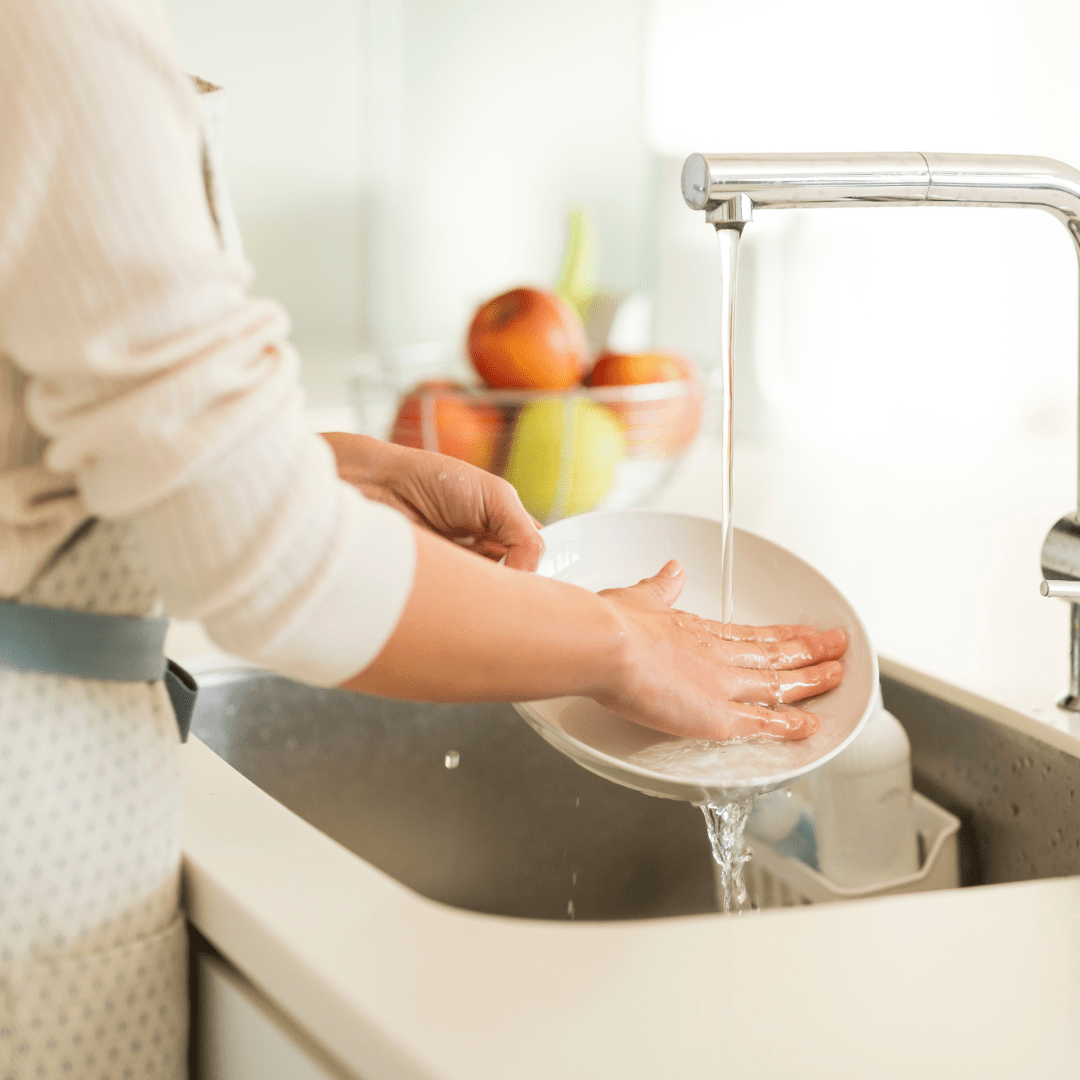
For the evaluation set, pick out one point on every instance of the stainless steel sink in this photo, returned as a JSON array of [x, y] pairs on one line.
[[1017, 797], [515, 828]]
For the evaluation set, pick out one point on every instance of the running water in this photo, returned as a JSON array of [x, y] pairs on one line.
[[727, 825], [729, 264]]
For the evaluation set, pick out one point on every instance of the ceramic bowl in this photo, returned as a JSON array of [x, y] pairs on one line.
[[606, 550]]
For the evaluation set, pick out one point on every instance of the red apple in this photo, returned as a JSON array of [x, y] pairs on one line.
[[664, 426], [451, 423], [528, 339]]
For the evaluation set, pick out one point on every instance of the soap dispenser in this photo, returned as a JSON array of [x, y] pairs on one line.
[[864, 816]]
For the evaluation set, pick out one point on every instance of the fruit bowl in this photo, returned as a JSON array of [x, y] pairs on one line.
[[565, 451]]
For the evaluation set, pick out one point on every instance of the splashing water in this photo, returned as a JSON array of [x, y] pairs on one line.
[[726, 825]]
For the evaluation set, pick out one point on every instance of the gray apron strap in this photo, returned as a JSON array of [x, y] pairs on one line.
[[183, 690], [117, 648]]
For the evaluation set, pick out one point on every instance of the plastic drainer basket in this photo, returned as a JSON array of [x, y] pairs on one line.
[[776, 880]]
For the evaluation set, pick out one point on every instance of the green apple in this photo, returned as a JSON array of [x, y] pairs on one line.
[[563, 456]]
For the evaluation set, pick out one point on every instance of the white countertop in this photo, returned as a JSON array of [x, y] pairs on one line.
[[982, 981], [942, 561]]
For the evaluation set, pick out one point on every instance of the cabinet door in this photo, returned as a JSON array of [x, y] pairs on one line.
[[240, 1035]]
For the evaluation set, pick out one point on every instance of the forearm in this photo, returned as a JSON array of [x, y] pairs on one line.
[[476, 631]]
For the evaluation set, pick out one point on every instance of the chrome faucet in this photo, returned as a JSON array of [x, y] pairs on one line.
[[729, 186]]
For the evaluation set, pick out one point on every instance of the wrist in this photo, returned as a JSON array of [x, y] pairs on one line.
[[361, 459], [612, 649]]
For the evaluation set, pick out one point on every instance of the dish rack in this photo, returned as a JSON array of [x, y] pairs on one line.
[[777, 880]]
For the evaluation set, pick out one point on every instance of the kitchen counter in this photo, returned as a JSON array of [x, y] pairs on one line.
[[982, 981]]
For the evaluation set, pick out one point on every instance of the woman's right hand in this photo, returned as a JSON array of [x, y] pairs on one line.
[[680, 674]]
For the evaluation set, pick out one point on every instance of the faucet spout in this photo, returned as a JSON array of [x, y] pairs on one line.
[[729, 186], [779, 181]]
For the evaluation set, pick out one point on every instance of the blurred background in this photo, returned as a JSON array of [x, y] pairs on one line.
[[393, 163]]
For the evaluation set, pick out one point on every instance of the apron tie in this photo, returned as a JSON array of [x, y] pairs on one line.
[[85, 645]]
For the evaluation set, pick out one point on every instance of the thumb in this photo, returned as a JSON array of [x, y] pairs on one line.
[[513, 526], [666, 585]]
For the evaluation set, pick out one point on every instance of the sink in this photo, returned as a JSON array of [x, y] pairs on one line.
[[1016, 794], [514, 829], [517, 829]]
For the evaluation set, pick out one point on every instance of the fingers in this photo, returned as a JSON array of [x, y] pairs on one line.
[[814, 648], [766, 633], [525, 553], [746, 721], [777, 687], [511, 525], [665, 586], [490, 549]]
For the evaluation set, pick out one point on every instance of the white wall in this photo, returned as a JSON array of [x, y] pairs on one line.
[[908, 330], [293, 150], [395, 162], [511, 112]]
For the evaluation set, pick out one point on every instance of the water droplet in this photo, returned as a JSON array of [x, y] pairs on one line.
[[573, 878], [577, 803], [452, 759], [570, 908], [442, 476]]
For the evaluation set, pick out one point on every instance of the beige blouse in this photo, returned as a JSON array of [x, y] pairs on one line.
[[139, 381]]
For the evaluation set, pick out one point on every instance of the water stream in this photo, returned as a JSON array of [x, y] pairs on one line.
[[729, 264], [726, 824]]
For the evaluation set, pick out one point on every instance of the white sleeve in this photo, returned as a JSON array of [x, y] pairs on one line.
[[169, 395]]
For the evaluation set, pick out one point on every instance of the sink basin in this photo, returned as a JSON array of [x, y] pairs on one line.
[[514, 829], [1017, 795], [517, 829]]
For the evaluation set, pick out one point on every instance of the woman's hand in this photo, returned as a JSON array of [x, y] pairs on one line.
[[474, 631], [448, 496], [680, 674], [529, 637]]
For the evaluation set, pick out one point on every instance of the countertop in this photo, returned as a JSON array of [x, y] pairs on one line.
[[982, 981]]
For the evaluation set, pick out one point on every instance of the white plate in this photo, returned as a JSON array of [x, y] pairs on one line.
[[606, 550]]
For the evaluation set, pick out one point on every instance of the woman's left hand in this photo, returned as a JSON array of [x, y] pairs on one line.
[[448, 496]]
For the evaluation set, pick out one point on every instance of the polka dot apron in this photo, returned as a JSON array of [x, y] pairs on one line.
[[93, 949]]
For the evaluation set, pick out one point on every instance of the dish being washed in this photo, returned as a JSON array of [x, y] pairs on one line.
[[607, 550]]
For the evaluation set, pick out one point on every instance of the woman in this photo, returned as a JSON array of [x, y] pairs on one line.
[[152, 450]]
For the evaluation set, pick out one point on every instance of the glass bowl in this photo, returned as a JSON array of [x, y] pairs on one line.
[[566, 452]]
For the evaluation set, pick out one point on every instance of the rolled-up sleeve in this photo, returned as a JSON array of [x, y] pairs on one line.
[[168, 394]]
